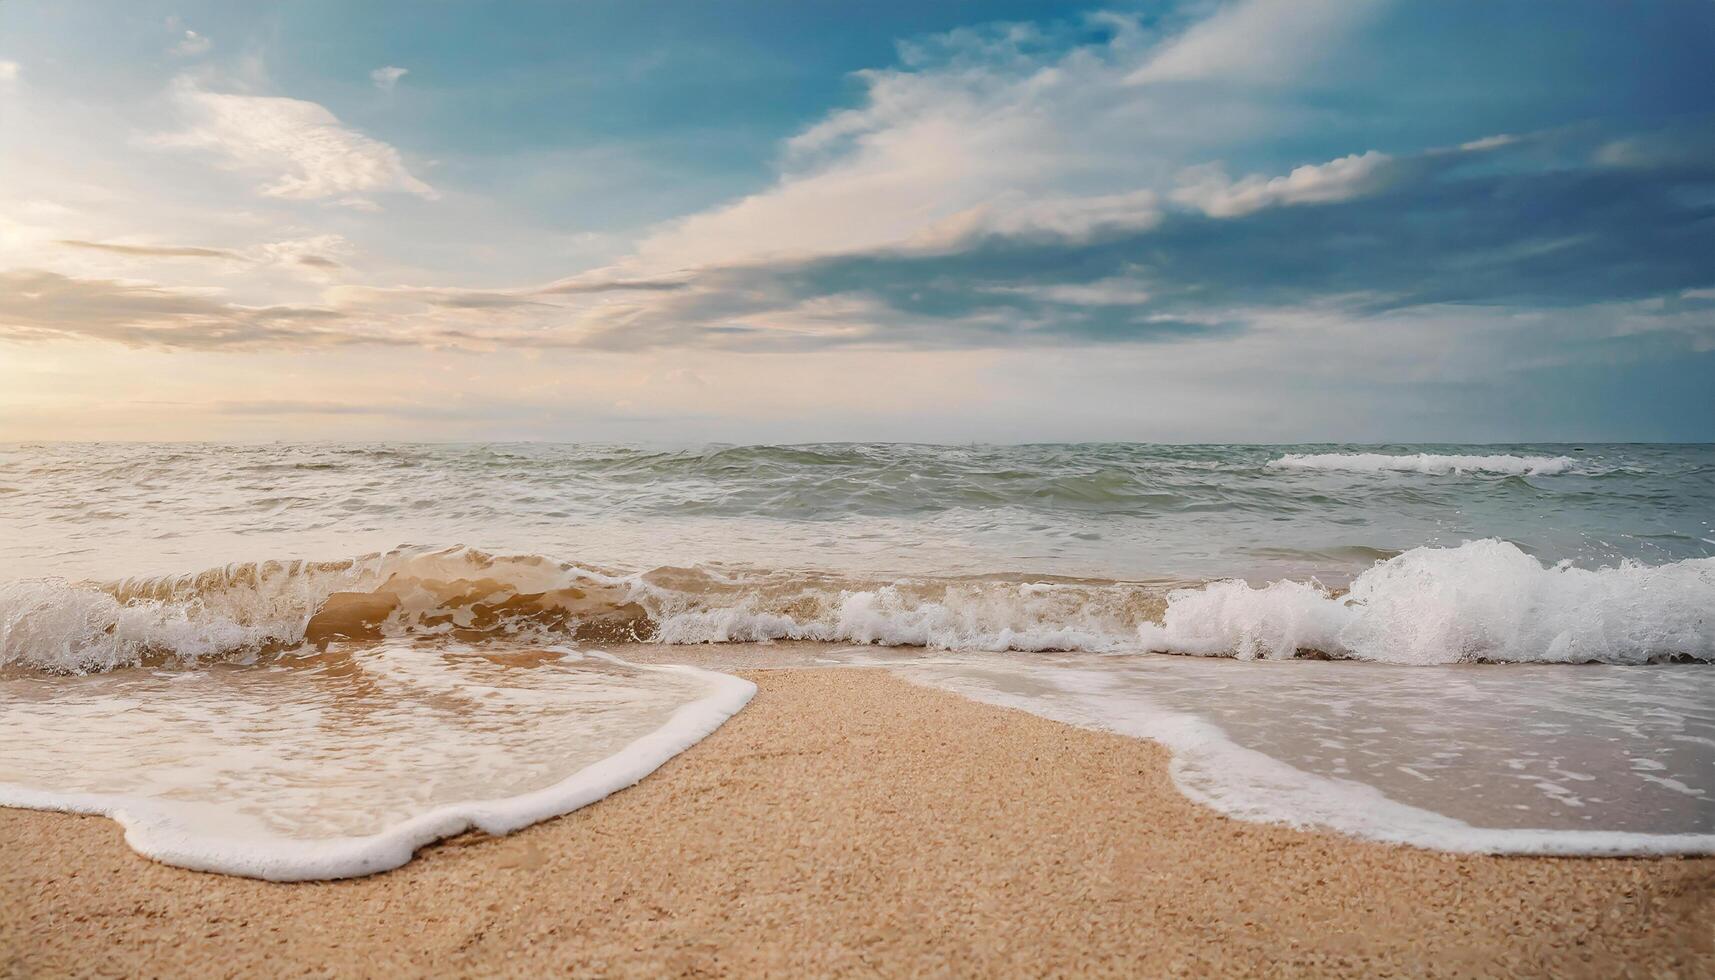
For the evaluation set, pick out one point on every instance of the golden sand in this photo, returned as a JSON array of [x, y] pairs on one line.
[[850, 823]]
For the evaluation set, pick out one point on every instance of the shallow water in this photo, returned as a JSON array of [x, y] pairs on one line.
[[306, 643], [321, 764], [1590, 760], [341, 744]]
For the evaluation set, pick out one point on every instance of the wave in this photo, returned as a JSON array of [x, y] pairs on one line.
[[1484, 601], [252, 609], [1481, 601], [1499, 465], [257, 607]]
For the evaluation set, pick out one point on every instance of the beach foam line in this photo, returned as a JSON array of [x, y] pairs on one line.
[[1431, 463], [1209, 768], [152, 830]]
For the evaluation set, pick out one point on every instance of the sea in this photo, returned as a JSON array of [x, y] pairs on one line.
[[300, 661]]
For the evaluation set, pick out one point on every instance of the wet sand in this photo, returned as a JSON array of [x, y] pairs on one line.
[[850, 823]]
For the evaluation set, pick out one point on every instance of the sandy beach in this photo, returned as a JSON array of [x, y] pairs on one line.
[[1185, 488], [850, 823]]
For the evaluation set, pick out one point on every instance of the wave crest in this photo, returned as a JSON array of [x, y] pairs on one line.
[[1484, 601], [256, 607]]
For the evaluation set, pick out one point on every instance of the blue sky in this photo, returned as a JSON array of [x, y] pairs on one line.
[[1253, 220]]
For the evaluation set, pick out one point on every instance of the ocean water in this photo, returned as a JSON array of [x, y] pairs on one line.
[[331, 654]]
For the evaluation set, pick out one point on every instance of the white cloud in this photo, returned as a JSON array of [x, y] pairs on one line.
[[1494, 142], [192, 44], [1208, 188], [388, 77], [317, 256], [1071, 219], [978, 121], [1256, 41], [310, 154], [150, 250]]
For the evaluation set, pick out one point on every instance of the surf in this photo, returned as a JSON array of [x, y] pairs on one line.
[[1481, 601]]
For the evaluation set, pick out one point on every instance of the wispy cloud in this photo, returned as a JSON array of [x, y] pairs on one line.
[[1007, 128], [1365, 234], [318, 252], [1211, 191], [600, 283], [307, 152], [154, 251], [387, 78], [37, 305], [192, 45], [314, 252], [1254, 41]]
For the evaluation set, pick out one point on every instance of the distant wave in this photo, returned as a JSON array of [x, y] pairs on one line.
[[1501, 465], [1482, 601]]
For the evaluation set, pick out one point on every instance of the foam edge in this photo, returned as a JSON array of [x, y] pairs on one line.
[[1210, 769], [154, 835]]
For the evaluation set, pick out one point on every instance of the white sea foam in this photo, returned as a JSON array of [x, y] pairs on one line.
[[991, 616], [1500, 465], [52, 624], [267, 773], [1482, 601]]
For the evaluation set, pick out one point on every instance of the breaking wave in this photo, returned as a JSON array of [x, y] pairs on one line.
[[1482, 601], [464, 594], [1501, 465], [257, 607]]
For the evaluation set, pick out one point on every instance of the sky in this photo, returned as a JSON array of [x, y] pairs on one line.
[[680, 221]]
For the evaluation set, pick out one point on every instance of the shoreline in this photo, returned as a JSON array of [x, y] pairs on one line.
[[849, 821]]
